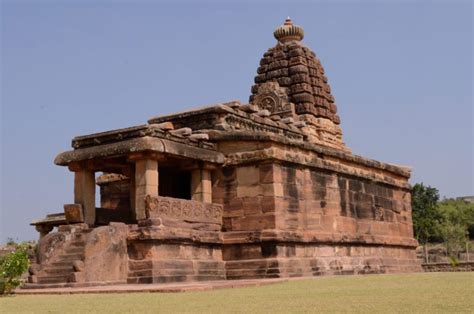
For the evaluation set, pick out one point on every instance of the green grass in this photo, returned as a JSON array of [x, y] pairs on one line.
[[405, 293]]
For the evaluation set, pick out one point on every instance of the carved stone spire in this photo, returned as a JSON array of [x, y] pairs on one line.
[[288, 32], [298, 79]]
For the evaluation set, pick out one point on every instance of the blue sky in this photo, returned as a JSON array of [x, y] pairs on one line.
[[401, 73]]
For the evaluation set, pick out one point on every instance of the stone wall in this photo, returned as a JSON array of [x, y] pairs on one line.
[[156, 261], [286, 217], [288, 197], [247, 195], [271, 260], [320, 200], [442, 267]]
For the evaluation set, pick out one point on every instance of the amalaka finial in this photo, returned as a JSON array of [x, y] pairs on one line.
[[288, 31]]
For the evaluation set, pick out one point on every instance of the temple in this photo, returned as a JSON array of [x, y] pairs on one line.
[[263, 189]]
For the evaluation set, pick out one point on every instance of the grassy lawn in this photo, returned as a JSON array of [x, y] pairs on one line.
[[405, 293]]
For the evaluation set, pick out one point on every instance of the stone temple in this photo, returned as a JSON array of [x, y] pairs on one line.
[[264, 189]]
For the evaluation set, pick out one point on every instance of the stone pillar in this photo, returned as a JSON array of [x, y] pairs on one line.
[[43, 230], [146, 183], [132, 190], [84, 193], [201, 185]]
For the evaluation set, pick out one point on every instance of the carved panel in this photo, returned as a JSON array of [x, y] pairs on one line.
[[184, 210], [272, 97]]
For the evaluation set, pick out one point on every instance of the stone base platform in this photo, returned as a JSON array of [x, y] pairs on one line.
[[163, 288]]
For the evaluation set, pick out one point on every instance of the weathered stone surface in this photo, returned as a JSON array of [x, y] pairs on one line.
[[182, 132], [199, 136], [105, 254], [166, 125], [78, 266], [84, 194], [73, 213], [141, 144]]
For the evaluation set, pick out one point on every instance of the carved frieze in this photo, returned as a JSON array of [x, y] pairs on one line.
[[238, 123], [184, 210]]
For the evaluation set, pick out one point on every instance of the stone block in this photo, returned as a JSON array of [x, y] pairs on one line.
[[73, 213], [33, 279], [267, 173], [78, 277], [182, 132], [255, 222], [248, 176], [166, 126], [248, 191], [78, 266]]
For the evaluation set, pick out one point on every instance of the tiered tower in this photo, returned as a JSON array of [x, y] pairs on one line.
[[295, 69]]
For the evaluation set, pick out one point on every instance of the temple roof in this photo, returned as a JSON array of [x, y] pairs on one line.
[[296, 69]]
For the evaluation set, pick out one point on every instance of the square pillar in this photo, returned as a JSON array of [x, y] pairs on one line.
[[146, 183], [201, 185], [132, 190], [84, 193]]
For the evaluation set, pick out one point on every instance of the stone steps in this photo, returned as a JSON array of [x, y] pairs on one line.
[[59, 270], [61, 263], [71, 256], [75, 250], [53, 279]]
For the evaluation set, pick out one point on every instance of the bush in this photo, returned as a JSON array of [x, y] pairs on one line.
[[12, 266], [454, 261]]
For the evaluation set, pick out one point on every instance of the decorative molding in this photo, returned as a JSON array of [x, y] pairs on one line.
[[238, 123], [184, 210]]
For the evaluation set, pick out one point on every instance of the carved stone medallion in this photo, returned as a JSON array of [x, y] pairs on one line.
[[273, 98]]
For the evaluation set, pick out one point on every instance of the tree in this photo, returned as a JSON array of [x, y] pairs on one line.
[[458, 219], [426, 217]]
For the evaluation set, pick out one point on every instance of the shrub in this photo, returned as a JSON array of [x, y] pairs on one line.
[[454, 261], [12, 266]]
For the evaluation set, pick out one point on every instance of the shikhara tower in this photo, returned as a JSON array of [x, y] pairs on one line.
[[294, 70]]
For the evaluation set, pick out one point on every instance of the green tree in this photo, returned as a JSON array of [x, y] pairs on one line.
[[426, 217], [457, 220]]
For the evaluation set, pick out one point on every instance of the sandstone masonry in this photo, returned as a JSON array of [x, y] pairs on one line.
[[266, 189]]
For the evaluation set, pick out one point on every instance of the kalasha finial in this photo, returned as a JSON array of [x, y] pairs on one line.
[[288, 31]]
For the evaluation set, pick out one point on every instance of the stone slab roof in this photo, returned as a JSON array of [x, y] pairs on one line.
[[144, 138]]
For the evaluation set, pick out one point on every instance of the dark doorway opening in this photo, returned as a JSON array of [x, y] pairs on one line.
[[174, 183]]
